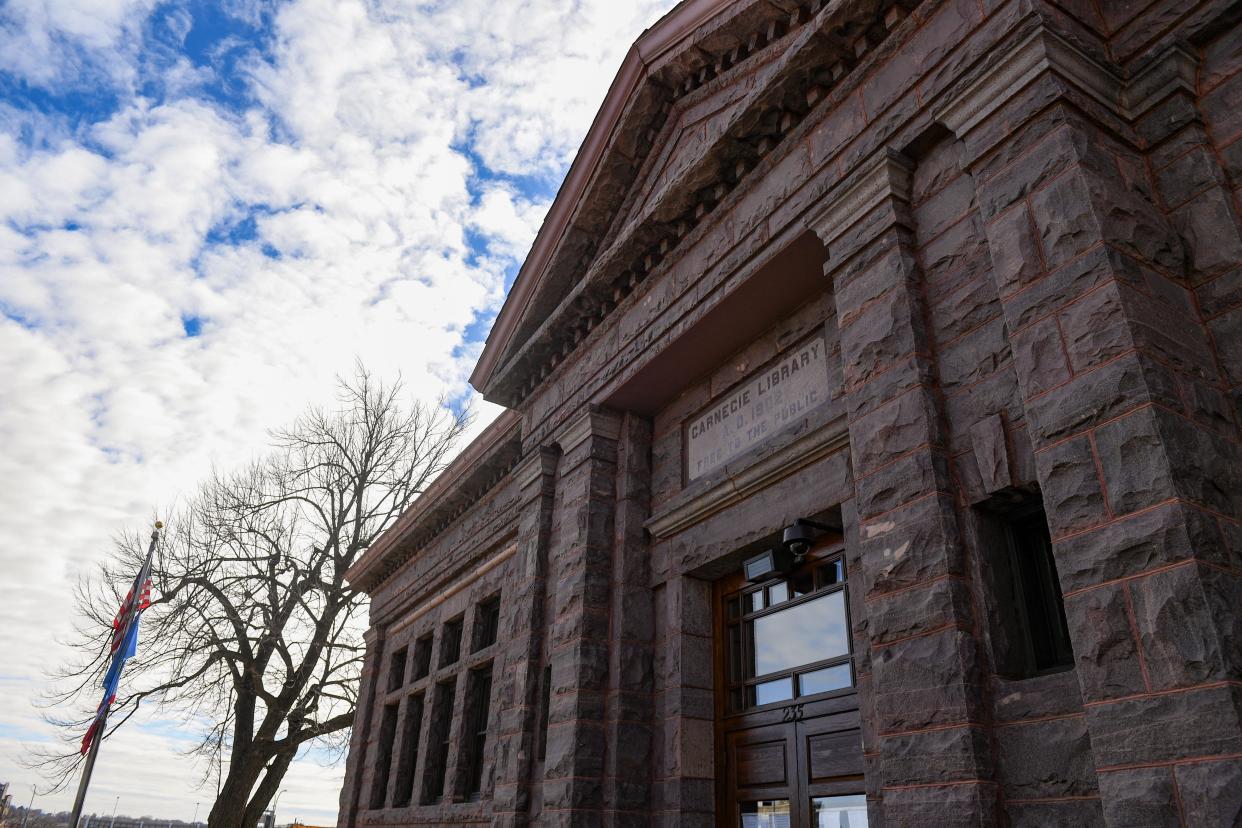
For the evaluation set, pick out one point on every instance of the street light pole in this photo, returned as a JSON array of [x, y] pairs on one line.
[[26, 815], [114, 804], [274, 804], [196, 804]]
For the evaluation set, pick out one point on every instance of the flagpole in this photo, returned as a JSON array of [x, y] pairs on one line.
[[87, 769]]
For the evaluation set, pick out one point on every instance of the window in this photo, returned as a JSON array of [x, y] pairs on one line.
[[1040, 606], [396, 670], [789, 637], [422, 657], [450, 642], [383, 756], [474, 738], [486, 624], [438, 740], [404, 791], [769, 813], [546, 691]]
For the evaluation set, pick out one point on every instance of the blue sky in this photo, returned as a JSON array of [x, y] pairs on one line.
[[213, 207]]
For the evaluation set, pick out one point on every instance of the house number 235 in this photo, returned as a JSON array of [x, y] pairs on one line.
[[793, 713]]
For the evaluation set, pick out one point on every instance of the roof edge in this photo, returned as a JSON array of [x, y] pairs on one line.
[[650, 46], [493, 436]]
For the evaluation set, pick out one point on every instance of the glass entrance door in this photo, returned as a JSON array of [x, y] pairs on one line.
[[788, 731]]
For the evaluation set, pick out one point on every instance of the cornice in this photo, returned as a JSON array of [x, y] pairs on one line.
[[886, 175], [592, 423], [480, 466], [1041, 51]]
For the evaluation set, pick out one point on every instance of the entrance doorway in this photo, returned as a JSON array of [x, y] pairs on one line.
[[788, 733]]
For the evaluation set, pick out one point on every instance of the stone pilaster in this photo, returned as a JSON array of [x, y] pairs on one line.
[[631, 684], [1138, 459], [927, 685], [582, 564], [352, 788], [519, 688]]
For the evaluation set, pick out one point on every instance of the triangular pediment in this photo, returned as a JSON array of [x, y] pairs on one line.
[[700, 99]]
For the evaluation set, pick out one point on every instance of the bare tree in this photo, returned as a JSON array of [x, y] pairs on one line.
[[253, 636]]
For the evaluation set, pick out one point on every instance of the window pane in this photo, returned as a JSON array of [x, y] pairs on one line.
[[486, 624], [825, 680], [756, 600], [831, 574], [422, 657], [802, 634], [450, 643], [773, 691], [839, 812], [802, 584], [778, 593], [771, 813]]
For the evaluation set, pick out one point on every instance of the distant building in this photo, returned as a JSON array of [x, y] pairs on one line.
[[873, 453]]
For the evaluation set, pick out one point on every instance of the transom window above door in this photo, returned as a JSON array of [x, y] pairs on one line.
[[789, 637]]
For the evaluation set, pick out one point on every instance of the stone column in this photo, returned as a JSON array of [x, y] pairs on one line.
[[351, 789], [929, 738], [631, 684], [519, 681], [1138, 458], [582, 563]]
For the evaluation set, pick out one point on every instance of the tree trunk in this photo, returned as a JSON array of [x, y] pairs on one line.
[[229, 810]]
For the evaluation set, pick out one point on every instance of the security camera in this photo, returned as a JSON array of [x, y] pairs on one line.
[[800, 535]]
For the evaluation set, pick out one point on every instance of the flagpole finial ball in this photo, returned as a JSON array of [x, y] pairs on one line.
[[159, 524]]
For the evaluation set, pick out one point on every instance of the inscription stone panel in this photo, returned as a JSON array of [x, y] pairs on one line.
[[775, 396]]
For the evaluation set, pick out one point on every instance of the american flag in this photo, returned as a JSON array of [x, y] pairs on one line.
[[124, 645], [127, 608]]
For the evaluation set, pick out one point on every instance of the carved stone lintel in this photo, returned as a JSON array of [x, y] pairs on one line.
[[682, 514]]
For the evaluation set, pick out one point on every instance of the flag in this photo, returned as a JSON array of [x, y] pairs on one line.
[[128, 606], [124, 646]]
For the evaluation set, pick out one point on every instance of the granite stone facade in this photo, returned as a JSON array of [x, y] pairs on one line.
[[1016, 227]]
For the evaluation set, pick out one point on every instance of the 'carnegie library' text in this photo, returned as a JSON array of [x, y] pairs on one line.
[[759, 407]]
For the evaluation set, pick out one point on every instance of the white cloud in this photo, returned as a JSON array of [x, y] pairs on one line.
[[330, 219]]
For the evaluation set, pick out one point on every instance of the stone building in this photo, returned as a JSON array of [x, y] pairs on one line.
[[872, 453]]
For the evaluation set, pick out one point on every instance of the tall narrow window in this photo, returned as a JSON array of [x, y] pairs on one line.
[[396, 670], [404, 790], [486, 624], [1043, 608], [383, 756], [546, 690], [450, 642], [474, 739], [438, 741], [422, 657]]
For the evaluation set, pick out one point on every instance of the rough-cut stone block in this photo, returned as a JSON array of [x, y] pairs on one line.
[[1085, 813], [1188, 624], [1211, 792], [926, 681], [955, 806], [909, 546], [1046, 760], [935, 756], [1039, 356], [1105, 650], [1070, 484], [1178, 725], [1140, 797]]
